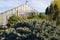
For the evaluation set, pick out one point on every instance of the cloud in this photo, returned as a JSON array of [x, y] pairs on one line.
[[8, 4], [39, 5]]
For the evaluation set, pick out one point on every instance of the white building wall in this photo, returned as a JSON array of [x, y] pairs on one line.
[[21, 10]]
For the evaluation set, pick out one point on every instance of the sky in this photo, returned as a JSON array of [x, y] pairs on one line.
[[39, 5]]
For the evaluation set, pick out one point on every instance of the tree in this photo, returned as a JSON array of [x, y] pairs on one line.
[[56, 12], [47, 11], [52, 11]]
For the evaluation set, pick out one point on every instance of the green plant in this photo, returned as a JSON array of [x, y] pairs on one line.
[[52, 11], [13, 20], [33, 16], [58, 20], [43, 16], [32, 29]]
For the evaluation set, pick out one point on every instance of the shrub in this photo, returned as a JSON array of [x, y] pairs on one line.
[[32, 30], [43, 16], [13, 20], [34, 15]]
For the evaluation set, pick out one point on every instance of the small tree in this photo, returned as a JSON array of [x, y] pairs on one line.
[[47, 12]]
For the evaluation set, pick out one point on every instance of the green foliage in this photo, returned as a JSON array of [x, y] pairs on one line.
[[56, 13], [40, 16], [58, 20], [43, 16], [33, 16], [58, 3], [47, 12], [13, 20], [34, 29], [58, 26], [52, 11]]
